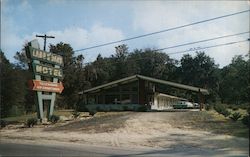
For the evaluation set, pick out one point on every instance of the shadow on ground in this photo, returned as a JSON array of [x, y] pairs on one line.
[[99, 124]]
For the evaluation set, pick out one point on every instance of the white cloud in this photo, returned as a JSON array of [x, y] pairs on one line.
[[153, 16], [77, 37]]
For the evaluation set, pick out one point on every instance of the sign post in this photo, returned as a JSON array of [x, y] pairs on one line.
[[44, 65]]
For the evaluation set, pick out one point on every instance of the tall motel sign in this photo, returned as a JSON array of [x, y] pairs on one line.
[[47, 73]]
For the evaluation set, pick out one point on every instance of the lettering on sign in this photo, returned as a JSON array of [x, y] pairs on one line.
[[47, 70], [45, 56], [46, 86]]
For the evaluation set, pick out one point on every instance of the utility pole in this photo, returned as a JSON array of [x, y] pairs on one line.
[[45, 38]]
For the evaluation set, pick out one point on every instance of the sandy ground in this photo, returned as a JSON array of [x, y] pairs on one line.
[[129, 129]]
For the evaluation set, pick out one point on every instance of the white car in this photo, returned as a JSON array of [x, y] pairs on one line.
[[183, 105]]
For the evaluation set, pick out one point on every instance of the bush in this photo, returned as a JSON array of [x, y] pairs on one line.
[[125, 108], [219, 107], [222, 109], [244, 106], [225, 113], [92, 112], [233, 107], [235, 116], [98, 109], [142, 108], [248, 110], [31, 122], [245, 120], [3, 123], [208, 107], [54, 118], [76, 114], [81, 107]]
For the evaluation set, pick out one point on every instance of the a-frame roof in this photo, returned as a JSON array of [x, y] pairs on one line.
[[150, 79]]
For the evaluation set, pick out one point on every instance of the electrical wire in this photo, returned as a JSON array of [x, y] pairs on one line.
[[165, 30], [191, 49]]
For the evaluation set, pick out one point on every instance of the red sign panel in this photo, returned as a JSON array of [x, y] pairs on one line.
[[46, 86]]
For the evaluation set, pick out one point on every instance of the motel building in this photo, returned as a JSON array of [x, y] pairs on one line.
[[132, 92]]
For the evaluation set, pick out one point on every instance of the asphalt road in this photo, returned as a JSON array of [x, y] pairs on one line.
[[71, 150]]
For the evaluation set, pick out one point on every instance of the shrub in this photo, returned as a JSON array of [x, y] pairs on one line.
[[208, 107], [106, 109], [222, 109], [245, 120], [248, 110], [235, 116], [31, 122], [219, 107], [92, 112], [234, 107], [98, 109], [54, 118], [125, 108], [142, 108], [225, 112], [3, 123], [76, 114]]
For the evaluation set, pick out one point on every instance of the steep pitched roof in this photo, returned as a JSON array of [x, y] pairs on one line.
[[136, 77]]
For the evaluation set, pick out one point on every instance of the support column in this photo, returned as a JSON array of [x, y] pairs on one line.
[[200, 100], [141, 92]]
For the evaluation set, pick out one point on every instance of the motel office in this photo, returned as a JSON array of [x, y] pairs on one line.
[[134, 91]]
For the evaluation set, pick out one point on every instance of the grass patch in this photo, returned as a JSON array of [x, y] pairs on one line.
[[24, 118], [101, 122], [217, 123], [20, 119], [65, 113]]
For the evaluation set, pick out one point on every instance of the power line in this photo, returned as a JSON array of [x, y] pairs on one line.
[[165, 30], [171, 53], [200, 41], [208, 47], [205, 40]]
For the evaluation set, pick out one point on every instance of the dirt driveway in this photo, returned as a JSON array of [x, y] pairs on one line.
[[170, 130]]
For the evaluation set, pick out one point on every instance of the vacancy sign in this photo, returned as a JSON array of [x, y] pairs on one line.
[[46, 86]]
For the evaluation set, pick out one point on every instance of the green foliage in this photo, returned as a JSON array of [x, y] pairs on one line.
[[225, 113], [98, 109], [234, 86], [200, 71], [233, 107], [74, 76], [229, 84], [208, 107], [54, 119], [222, 109], [245, 120], [248, 110], [142, 108], [235, 116], [76, 114], [31, 122], [125, 108], [13, 85], [3, 123]]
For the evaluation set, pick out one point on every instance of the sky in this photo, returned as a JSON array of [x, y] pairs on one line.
[[83, 23]]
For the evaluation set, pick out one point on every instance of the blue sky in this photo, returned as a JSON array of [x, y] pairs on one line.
[[83, 23]]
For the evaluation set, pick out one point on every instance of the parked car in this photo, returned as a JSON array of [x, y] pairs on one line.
[[196, 105], [183, 105]]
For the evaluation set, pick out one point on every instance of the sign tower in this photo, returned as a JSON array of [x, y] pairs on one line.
[[47, 73]]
